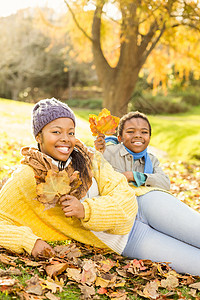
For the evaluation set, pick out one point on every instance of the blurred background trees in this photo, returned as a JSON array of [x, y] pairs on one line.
[[123, 55], [36, 58]]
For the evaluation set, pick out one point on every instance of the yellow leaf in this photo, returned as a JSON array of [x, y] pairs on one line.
[[56, 184], [52, 285]]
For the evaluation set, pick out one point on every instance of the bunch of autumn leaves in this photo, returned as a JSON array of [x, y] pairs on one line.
[[59, 183]]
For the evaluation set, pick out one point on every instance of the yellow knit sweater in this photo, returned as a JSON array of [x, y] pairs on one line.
[[23, 219]]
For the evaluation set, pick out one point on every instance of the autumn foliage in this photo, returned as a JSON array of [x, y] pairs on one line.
[[103, 123], [57, 184]]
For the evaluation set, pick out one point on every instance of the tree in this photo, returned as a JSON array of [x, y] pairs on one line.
[[141, 24], [35, 57]]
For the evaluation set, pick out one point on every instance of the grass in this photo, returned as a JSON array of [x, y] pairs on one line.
[[178, 135]]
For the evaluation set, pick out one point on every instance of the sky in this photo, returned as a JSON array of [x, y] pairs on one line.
[[9, 7]]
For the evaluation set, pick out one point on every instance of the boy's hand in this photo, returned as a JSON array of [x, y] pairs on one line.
[[129, 175], [41, 248], [99, 143], [72, 206]]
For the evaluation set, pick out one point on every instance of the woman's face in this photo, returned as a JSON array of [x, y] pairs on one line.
[[135, 135], [57, 139]]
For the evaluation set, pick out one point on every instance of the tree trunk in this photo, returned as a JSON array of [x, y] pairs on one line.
[[117, 91], [119, 82]]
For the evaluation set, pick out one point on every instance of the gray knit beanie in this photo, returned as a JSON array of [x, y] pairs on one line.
[[48, 110]]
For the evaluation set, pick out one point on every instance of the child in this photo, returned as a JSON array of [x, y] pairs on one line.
[[103, 212], [128, 152]]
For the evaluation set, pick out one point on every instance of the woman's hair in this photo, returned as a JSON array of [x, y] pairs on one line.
[[80, 162], [129, 116]]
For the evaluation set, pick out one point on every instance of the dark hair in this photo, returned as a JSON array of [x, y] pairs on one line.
[[129, 116], [80, 162]]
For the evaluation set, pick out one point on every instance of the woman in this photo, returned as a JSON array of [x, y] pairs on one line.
[[24, 222], [105, 216]]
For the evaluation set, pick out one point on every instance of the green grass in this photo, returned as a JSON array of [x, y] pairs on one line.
[[178, 135]]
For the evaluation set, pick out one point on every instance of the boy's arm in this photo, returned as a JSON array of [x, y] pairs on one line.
[[99, 143], [158, 178]]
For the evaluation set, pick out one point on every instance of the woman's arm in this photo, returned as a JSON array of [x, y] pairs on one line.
[[116, 207]]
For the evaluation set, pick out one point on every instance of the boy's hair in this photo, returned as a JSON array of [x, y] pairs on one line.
[[129, 116]]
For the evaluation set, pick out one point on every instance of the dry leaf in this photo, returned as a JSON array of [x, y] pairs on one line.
[[195, 285], [56, 269], [102, 291], [170, 283], [51, 296], [56, 184], [7, 281], [103, 123], [89, 272], [106, 265], [151, 289], [33, 286], [87, 291], [107, 280], [52, 285], [10, 271], [74, 274], [7, 260]]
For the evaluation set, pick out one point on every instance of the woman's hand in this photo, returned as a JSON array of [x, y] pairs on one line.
[[99, 143], [72, 206], [41, 248], [129, 175]]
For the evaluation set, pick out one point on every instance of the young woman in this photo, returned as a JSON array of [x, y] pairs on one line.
[[103, 210], [127, 153]]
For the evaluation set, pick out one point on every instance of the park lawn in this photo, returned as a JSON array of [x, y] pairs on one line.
[[15, 131], [178, 135]]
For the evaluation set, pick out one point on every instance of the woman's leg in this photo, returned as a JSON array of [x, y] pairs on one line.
[[170, 216], [147, 243]]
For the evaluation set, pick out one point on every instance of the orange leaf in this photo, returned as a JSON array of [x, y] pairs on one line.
[[103, 123]]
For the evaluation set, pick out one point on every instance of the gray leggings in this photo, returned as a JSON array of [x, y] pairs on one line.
[[166, 230]]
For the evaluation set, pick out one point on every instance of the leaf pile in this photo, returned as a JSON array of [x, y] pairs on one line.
[[185, 182], [57, 184], [91, 273], [103, 123]]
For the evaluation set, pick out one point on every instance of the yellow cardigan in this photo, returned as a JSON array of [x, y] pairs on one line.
[[23, 219]]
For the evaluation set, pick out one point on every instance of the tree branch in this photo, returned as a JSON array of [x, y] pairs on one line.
[[101, 63], [147, 38], [144, 57], [76, 22]]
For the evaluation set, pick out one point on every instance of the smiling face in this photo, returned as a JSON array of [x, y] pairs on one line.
[[135, 135], [57, 139]]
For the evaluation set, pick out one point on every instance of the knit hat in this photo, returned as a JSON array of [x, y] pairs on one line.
[[48, 110]]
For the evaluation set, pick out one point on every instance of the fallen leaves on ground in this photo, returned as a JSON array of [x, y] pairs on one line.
[[103, 123], [185, 182], [95, 273]]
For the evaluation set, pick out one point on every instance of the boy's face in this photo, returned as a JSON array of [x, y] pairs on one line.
[[135, 135]]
